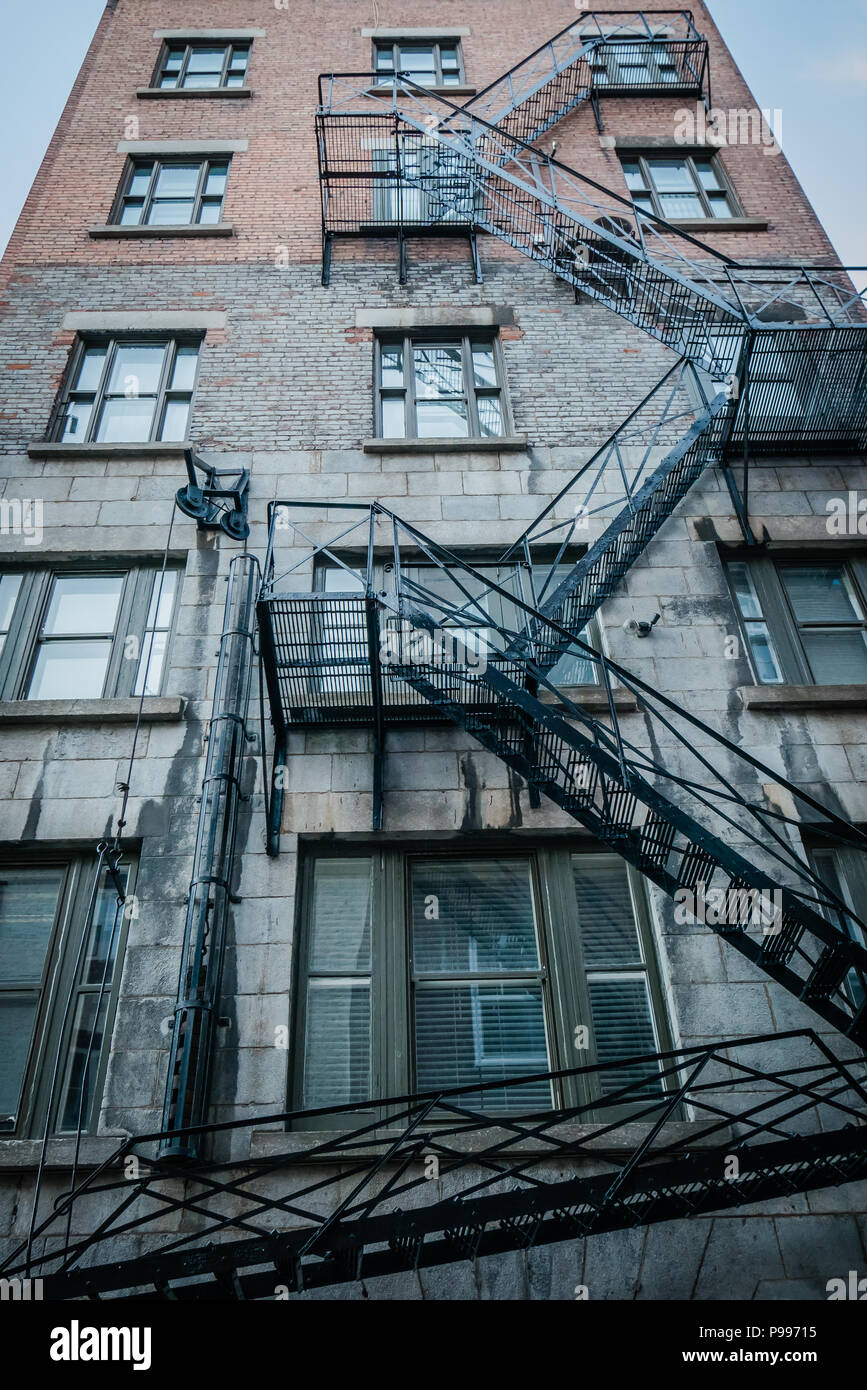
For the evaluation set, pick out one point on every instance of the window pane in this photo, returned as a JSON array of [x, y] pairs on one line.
[[184, 370], [151, 664], [441, 419], [490, 417], [819, 594], [719, 205], [140, 181], [70, 671], [340, 929], [438, 371], [177, 180], [745, 591], [473, 1033], [175, 421], [416, 59], [473, 916], [172, 213], [337, 1044], [84, 603], [136, 369], [28, 907], [392, 365], [168, 82], [10, 584], [609, 934], [240, 55], [484, 365], [200, 81], [623, 1027], [681, 205], [131, 213], [210, 212], [104, 931], [82, 1063], [126, 421], [17, 1017], [671, 175], [235, 79], [162, 599], [707, 174], [385, 59], [836, 657], [90, 371], [174, 58], [448, 57], [206, 60], [215, 184], [393, 417], [76, 420], [764, 654]]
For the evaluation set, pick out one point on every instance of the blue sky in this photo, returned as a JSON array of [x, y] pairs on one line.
[[809, 62]]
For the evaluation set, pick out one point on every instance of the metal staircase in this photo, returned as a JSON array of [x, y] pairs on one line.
[[616, 53], [683, 823]]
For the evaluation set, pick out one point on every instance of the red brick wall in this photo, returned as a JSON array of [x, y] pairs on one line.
[[273, 197]]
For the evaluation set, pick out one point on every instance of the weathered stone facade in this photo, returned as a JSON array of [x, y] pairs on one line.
[[286, 390]]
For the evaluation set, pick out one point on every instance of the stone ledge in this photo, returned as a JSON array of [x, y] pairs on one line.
[[115, 232], [24, 1154], [509, 443], [179, 93], [814, 697], [436, 316], [592, 697], [193, 35], [156, 709], [42, 449]]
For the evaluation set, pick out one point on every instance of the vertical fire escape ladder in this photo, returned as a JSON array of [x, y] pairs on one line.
[[211, 891]]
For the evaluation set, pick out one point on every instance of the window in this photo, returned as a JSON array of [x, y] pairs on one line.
[[342, 631], [440, 388], [172, 193], [804, 623], [199, 66], [844, 871], [86, 634], [434, 64], [423, 182], [638, 63], [43, 926], [129, 391], [686, 187], [421, 970]]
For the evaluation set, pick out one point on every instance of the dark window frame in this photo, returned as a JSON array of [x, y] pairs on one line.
[[691, 158], [380, 45], [62, 975], [565, 992], [189, 47], [777, 613], [163, 395], [25, 636], [158, 163], [463, 337]]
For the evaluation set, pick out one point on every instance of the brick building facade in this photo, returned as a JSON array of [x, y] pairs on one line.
[[288, 383]]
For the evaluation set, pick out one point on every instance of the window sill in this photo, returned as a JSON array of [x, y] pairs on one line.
[[111, 232], [592, 697], [815, 697], [187, 92], [720, 224], [60, 1152], [508, 443], [44, 449], [156, 709]]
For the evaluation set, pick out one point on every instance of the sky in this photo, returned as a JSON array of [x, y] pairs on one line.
[[808, 61]]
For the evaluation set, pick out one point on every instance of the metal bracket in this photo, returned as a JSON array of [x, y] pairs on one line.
[[212, 505]]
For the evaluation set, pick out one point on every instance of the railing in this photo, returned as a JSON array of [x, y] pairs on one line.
[[419, 1180]]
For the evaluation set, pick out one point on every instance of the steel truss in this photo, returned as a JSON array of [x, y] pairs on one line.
[[413, 1182]]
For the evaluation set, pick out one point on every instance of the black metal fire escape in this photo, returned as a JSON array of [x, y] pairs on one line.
[[771, 358]]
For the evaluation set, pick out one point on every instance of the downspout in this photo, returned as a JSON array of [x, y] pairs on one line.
[[210, 894]]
